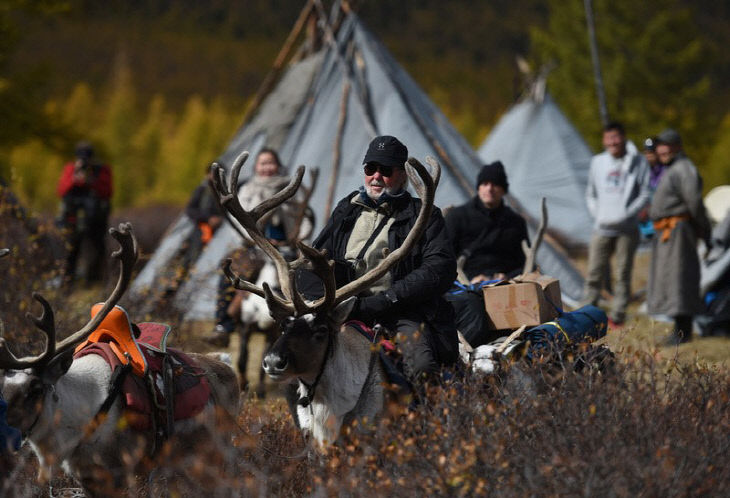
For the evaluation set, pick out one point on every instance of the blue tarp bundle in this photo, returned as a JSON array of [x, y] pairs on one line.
[[9, 436], [585, 324]]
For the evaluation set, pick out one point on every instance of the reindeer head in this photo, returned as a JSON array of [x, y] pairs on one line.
[[304, 343], [26, 381], [309, 328]]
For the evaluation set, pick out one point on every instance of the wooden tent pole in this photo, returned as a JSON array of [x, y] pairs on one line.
[[337, 152], [596, 62], [369, 124], [463, 182], [275, 70]]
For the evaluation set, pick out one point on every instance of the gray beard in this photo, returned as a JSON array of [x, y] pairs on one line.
[[389, 190]]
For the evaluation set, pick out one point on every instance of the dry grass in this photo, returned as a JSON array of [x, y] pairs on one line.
[[658, 425]]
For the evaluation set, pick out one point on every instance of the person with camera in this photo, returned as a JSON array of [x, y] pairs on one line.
[[85, 189]]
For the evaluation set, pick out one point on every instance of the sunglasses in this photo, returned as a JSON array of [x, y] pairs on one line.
[[371, 168]]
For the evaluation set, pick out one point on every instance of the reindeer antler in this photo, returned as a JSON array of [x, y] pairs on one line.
[[531, 252], [303, 208], [292, 302], [226, 191], [127, 255]]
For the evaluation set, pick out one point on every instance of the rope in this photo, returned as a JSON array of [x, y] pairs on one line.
[[306, 400]]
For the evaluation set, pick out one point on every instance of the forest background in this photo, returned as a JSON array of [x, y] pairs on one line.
[[160, 86]]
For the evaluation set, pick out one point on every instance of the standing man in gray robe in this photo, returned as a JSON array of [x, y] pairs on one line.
[[679, 221]]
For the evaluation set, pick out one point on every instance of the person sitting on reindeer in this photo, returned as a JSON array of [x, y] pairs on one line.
[[487, 234], [269, 177], [408, 300]]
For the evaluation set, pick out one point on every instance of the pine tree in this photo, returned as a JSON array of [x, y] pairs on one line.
[[652, 59]]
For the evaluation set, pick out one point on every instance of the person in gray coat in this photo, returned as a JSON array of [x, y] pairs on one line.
[[618, 188], [679, 220]]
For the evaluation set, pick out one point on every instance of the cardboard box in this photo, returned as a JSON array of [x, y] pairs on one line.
[[526, 300]]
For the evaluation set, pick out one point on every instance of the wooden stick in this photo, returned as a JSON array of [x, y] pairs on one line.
[[273, 74], [337, 152], [531, 253], [514, 335]]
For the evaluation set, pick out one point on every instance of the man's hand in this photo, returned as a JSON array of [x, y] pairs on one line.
[[483, 278], [708, 249], [370, 307]]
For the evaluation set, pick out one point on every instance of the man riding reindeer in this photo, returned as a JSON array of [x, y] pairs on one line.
[[408, 300], [394, 277]]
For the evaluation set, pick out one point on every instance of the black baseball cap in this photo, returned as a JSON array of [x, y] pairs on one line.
[[386, 150]]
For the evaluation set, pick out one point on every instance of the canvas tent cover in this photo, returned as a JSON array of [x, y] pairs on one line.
[[544, 157], [330, 106]]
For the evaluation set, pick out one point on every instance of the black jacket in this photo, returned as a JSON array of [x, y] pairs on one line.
[[202, 204], [489, 238], [420, 278]]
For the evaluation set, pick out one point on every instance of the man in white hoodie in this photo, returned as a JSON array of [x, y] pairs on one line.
[[618, 188]]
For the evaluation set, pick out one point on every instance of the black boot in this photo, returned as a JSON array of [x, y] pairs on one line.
[[682, 331]]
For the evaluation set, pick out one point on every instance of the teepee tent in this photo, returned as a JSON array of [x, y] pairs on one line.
[[323, 113], [544, 157]]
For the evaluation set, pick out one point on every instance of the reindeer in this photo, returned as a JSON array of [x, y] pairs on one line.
[[335, 369], [57, 401]]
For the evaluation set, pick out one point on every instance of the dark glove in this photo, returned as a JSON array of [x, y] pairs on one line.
[[708, 249], [367, 309]]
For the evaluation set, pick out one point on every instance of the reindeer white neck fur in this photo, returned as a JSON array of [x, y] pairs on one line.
[[350, 388]]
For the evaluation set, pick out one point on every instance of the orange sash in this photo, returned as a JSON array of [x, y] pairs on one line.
[[666, 225]]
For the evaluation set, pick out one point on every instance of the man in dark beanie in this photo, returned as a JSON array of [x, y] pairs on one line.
[[493, 173], [408, 300], [487, 236]]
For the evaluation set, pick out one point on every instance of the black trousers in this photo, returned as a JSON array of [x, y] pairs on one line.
[[683, 328], [225, 295], [471, 318], [95, 233]]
